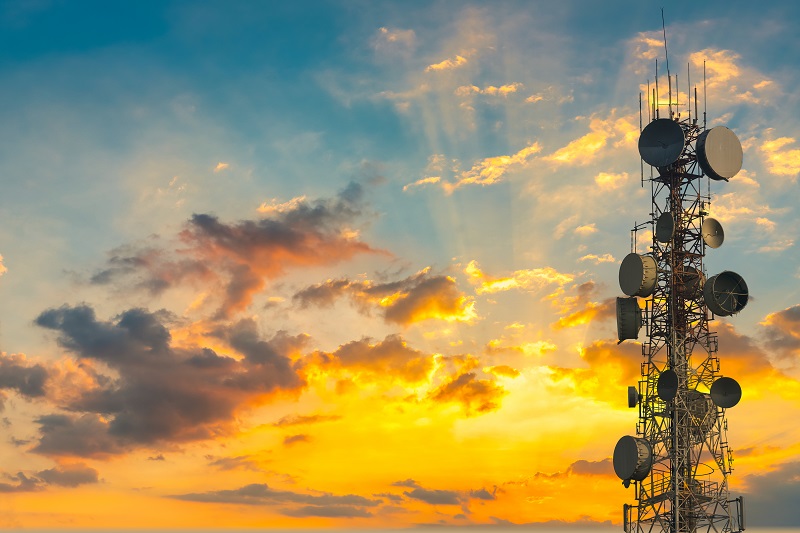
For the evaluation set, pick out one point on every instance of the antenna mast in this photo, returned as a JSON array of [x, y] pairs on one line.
[[679, 461]]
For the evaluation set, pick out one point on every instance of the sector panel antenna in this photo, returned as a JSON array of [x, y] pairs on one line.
[[638, 275], [661, 142], [726, 392], [665, 227], [713, 235], [719, 153], [726, 293]]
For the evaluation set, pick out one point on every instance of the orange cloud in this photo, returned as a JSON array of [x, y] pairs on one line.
[[779, 160], [491, 90], [476, 396]]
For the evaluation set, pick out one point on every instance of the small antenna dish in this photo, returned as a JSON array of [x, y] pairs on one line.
[[629, 319], [633, 396], [661, 142], [719, 153], [637, 275], [667, 385], [726, 392], [665, 227], [712, 233], [633, 458], [726, 293], [689, 282]]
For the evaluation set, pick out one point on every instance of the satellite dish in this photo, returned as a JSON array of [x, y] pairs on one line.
[[667, 385], [661, 142], [665, 227], [637, 275], [629, 319], [712, 233], [689, 282], [726, 293], [726, 392], [633, 396], [719, 153], [633, 458]]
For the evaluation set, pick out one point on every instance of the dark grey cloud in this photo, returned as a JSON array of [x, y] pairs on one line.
[[294, 439], [16, 373], [410, 483], [237, 258], [261, 494], [483, 494], [782, 332], [240, 462], [771, 498], [435, 497], [20, 483], [418, 297], [389, 496], [69, 475], [161, 393]]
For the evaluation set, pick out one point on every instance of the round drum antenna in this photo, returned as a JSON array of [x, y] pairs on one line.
[[638, 275], [719, 153], [726, 293], [665, 227], [667, 385]]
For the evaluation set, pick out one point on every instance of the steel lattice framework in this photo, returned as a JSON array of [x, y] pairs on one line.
[[686, 489]]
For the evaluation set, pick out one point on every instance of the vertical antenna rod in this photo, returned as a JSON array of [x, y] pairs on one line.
[[666, 56], [705, 107]]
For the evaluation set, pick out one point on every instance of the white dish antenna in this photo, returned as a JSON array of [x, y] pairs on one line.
[[713, 235], [637, 275], [719, 153]]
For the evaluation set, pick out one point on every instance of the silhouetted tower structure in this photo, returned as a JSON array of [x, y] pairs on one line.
[[679, 460]]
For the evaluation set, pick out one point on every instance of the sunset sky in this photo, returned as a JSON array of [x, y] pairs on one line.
[[352, 264]]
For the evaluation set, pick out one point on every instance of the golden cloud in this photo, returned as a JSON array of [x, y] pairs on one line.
[[779, 160], [447, 64], [492, 169], [531, 280]]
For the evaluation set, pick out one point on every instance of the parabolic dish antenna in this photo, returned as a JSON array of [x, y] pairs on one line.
[[667, 385], [665, 227], [719, 153], [633, 396], [712, 233], [629, 319], [726, 293], [661, 142], [633, 458], [637, 275], [726, 392], [702, 411]]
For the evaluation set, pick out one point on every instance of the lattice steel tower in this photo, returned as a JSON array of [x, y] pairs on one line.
[[679, 460]]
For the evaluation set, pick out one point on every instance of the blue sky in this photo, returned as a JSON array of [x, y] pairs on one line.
[[444, 145]]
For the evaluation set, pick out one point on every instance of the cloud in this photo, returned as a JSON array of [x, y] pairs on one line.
[[503, 370], [262, 494], [779, 159], [435, 497], [587, 148], [413, 299], [394, 41], [489, 90], [161, 392], [771, 497], [609, 181], [430, 180], [297, 420], [328, 511], [491, 170], [583, 467], [275, 207], [3, 268], [17, 374], [24, 484], [476, 396], [782, 331], [239, 462], [390, 359], [241, 256], [447, 64], [69, 475], [597, 259], [221, 166], [289, 440], [580, 309], [530, 280]]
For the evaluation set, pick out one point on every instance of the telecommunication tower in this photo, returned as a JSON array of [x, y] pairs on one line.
[[679, 461]]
